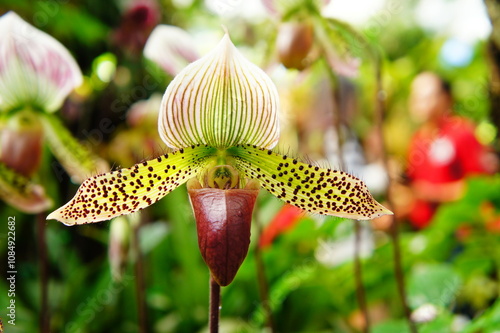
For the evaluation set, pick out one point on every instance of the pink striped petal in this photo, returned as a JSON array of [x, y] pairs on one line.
[[170, 47], [284, 7], [35, 69]]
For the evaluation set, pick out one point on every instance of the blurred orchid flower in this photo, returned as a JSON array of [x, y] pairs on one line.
[[220, 114], [130, 145], [171, 48], [36, 74], [136, 24]]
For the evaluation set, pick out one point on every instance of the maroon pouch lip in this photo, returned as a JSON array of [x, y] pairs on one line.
[[223, 221]]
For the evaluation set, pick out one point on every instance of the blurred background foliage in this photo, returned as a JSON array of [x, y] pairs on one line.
[[452, 267]]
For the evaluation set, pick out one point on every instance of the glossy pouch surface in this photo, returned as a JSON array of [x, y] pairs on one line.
[[223, 219]]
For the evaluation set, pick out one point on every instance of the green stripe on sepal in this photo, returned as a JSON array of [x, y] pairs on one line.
[[128, 190], [18, 191], [315, 189], [76, 159]]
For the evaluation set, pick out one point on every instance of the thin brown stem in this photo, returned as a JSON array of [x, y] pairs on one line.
[[213, 321], [340, 94], [140, 285], [358, 277], [394, 231], [44, 270], [398, 271]]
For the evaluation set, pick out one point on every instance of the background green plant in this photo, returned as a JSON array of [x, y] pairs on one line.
[[457, 276]]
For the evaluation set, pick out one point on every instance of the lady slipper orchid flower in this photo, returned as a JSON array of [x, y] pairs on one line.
[[36, 74], [220, 114]]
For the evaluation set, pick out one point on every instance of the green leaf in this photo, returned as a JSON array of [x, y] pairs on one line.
[[309, 187], [392, 326], [289, 9], [442, 323], [487, 322], [152, 234], [36, 69], [76, 24], [76, 159], [128, 190], [341, 38], [436, 284]]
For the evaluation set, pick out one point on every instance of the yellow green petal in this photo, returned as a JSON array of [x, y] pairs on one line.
[[315, 189], [128, 190], [76, 159]]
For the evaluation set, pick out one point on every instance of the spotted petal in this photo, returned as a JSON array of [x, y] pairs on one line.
[[127, 190], [221, 100], [18, 191], [309, 187], [35, 69]]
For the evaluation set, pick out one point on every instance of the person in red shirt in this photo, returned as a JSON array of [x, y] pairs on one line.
[[443, 151]]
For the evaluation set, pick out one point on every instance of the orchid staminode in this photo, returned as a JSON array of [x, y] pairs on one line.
[[220, 115], [171, 48]]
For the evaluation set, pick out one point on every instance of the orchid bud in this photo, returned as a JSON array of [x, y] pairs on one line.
[[21, 143], [294, 42]]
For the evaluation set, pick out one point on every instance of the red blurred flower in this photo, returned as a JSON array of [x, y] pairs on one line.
[[285, 220]]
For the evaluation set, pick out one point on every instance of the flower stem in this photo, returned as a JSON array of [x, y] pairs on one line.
[[358, 276], [213, 322], [394, 232], [398, 271], [44, 283]]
